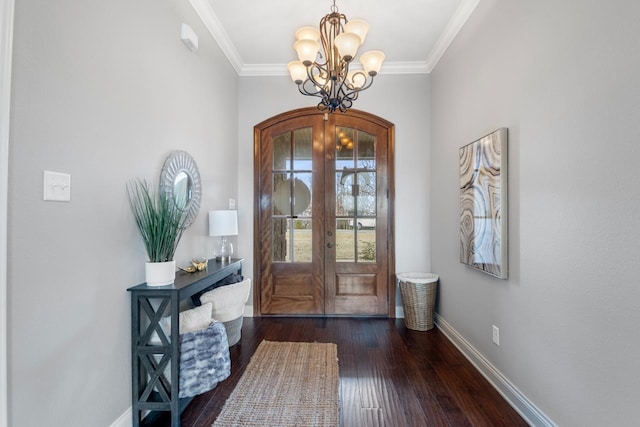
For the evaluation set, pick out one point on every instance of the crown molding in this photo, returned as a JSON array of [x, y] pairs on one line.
[[213, 24], [450, 32], [261, 70]]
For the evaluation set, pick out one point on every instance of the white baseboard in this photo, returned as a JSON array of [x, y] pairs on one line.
[[248, 311], [125, 420], [519, 401]]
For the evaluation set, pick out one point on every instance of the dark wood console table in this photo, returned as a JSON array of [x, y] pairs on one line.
[[151, 391]]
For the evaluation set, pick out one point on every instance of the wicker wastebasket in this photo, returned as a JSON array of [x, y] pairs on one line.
[[418, 298]]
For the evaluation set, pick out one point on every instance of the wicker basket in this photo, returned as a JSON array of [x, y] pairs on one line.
[[418, 299], [234, 330]]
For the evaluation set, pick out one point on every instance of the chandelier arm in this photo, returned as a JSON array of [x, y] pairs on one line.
[[320, 71], [302, 87], [303, 91], [347, 98]]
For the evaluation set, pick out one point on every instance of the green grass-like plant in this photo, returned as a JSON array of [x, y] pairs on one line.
[[159, 220]]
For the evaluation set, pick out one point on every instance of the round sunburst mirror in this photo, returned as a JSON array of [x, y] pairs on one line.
[[181, 180]]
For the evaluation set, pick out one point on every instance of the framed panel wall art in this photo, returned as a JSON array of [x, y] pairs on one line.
[[483, 204]]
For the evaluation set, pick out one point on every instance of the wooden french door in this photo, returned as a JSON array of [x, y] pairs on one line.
[[323, 230]]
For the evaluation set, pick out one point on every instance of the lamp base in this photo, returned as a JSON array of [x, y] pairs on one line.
[[224, 251]]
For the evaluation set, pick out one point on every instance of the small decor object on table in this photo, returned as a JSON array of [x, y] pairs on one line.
[[161, 224], [188, 269], [197, 264], [223, 223], [200, 263]]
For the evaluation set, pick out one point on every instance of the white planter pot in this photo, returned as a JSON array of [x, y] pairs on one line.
[[160, 273]]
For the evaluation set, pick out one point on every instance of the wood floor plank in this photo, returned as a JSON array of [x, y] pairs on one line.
[[414, 381], [389, 376]]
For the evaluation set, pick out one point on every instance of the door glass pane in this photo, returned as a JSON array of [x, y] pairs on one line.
[[355, 195], [292, 240], [345, 241], [345, 204], [302, 240], [301, 202], [302, 149], [281, 194], [366, 151], [366, 196], [345, 145], [367, 243], [292, 184], [282, 152]]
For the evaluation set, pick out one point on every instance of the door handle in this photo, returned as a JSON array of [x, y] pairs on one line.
[[329, 245]]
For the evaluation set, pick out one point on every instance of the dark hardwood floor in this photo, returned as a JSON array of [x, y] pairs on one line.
[[389, 375]]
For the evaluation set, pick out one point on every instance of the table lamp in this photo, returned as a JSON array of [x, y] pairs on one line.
[[223, 223]]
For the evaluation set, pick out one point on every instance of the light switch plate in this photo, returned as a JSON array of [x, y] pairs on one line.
[[232, 204], [56, 186], [496, 335]]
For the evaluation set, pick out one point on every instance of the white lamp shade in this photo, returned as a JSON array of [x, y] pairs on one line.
[[307, 33], [347, 44], [358, 27], [307, 50], [223, 223], [298, 71], [372, 61]]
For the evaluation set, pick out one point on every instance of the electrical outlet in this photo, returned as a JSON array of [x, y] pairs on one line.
[[496, 335]]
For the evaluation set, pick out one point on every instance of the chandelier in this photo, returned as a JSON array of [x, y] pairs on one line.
[[325, 73]]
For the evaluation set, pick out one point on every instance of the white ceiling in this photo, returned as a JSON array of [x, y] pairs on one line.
[[257, 35]]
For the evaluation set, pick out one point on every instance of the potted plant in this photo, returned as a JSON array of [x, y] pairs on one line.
[[161, 224]]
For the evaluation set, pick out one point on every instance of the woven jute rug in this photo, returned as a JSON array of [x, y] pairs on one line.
[[286, 384]]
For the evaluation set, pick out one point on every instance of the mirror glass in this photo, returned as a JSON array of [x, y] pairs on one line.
[[181, 180], [182, 189]]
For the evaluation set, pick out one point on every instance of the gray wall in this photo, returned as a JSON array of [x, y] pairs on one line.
[[564, 77], [403, 100], [103, 91]]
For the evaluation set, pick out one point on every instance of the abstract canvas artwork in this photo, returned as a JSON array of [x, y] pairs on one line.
[[483, 204]]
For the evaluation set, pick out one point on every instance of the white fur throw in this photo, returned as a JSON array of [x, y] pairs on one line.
[[204, 360], [227, 301]]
